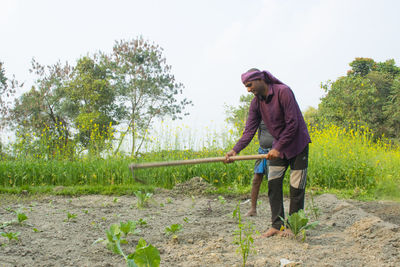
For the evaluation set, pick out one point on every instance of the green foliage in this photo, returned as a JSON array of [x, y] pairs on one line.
[[368, 96], [21, 217], [173, 229], [70, 217], [312, 207], [221, 200], [145, 255], [71, 110], [142, 199], [145, 86], [361, 66], [237, 116], [298, 223], [243, 236], [10, 235], [7, 90], [129, 228]]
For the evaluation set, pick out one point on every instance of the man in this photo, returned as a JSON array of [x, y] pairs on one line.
[[265, 140], [275, 104]]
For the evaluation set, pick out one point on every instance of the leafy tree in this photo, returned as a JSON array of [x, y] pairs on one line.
[[40, 111], [146, 88], [311, 116], [7, 91], [366, 96], [237, 116], [392, 111], [361, 66], [90, 102]]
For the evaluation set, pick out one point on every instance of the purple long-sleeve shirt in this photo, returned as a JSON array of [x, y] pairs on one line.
[[282, 115]]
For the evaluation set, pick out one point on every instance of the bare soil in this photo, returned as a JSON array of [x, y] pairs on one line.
[[350, 233]]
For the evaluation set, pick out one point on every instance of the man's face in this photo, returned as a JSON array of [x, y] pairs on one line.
[[256, 87]]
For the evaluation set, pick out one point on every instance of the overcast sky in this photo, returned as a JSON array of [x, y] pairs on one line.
[[209, 43]]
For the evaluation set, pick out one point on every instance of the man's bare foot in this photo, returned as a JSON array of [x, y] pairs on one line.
[[251, 213], [271, 232], [286, 233]]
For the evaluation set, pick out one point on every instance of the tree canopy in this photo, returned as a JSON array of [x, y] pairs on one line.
[[70, 106], [368, 95]]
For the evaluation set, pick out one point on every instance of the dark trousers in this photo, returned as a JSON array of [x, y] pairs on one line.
[[298, 179]]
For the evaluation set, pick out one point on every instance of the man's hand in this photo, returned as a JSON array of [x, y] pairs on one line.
[[228, 155], [273, 154]]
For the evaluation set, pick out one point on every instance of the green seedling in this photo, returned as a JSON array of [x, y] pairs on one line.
[[193, 201], [145, 255], [115, 200], [142, 199], [162, 205], [128, 228], [298, 223], [70, 217], [221, 200], [313, 207], [141, 222], [85, 211], [11, 235], [169, 200], [186, 220], [243, 236], [173, 229], [21, 217]]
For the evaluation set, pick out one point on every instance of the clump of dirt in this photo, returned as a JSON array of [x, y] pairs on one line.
[[195, 186]]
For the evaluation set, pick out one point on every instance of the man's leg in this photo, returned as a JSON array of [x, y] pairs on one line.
[[257, 180], [298, 181], [277, 169]]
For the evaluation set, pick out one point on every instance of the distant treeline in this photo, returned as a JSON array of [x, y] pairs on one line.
[[74, 108], [369, 95]]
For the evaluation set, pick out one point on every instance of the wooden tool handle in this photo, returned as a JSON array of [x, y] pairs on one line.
[[193, 161]]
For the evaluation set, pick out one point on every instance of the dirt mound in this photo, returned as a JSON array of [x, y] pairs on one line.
[[374, 234], [194, 186]]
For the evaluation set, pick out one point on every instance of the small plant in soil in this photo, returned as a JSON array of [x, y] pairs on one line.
[[142, 199], [128, 228], [10, 235], [21, 217], [298, 223], [193, 201], [313, 207], [145, 254], [141, 222], [221, 200], [173, 229], [169, 200], [243, 236], [70, 217]]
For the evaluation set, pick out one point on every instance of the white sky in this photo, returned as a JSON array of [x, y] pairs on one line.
[[209, 43]]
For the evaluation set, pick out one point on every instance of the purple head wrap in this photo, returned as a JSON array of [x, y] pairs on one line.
[[260, 75]]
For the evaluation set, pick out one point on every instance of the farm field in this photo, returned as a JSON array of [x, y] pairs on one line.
[[350, 233]]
